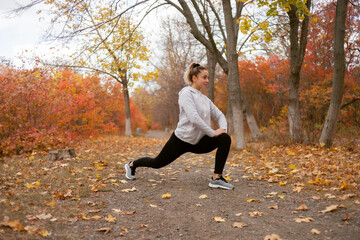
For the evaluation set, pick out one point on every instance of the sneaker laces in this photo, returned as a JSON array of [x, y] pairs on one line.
[[221, 178]]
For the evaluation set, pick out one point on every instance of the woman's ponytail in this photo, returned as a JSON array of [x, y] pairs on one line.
[[192, 70]]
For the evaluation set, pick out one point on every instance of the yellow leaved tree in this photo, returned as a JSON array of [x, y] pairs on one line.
[[107, 41]]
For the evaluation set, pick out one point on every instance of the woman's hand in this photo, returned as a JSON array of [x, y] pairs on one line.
[[219, 131]]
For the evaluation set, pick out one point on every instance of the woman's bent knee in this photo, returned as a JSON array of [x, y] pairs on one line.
[[225, 138]]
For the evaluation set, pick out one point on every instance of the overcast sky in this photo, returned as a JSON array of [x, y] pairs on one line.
[[25, 32], [18, 33]]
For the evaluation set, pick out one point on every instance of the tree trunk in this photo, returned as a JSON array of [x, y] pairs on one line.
[[211, 69], [127, 103], [295, 126], [234, 90], [297, 53], [250, 119], [329, 127]]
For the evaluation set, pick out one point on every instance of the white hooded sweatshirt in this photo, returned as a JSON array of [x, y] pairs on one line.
[[196, 111]]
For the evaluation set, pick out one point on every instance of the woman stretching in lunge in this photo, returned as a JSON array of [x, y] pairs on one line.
[[193, 132]]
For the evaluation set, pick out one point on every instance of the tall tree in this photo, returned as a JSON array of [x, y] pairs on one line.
[[329, 127], [296, 10], [115, 49]]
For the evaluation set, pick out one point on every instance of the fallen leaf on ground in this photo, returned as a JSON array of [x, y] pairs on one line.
[[238, 214], [219, 219], [144, 225], [282, 183], [330, 196], [31, 217], [203, 196], [274, 207], [346, 196], [272, 237], [302, 207], [315, 231], [129, 190], [31, 229], [348, 216], [68, 194], [96, 218], [44, 216], [14, 224], [15, 209], [256, 213], [110, 218], [44, 233], [105, 230], [329, 209], [239, 225], [297, 189], [120, 212], [315, 197], [166, 196], [253, 200], [303, 219], [50, 204], [153, 205]]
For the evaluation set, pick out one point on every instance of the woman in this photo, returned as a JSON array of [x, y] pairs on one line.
[[193, 132]]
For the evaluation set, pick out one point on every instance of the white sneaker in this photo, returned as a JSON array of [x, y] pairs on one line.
[[128, 172], [220, 183]]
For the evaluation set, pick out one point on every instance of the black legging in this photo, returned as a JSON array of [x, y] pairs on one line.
[[175, 147]]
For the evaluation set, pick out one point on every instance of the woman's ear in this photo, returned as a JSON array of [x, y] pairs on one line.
[[193, 78]]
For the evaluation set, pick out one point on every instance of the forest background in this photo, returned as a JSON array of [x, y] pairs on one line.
[[56, 102]]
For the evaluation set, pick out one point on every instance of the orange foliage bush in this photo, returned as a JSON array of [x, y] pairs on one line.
[[40, 109]]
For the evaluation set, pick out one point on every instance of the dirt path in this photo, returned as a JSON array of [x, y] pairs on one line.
[[146, 215], [76, 198]]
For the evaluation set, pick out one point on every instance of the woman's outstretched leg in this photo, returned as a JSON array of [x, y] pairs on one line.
[[173, 149]]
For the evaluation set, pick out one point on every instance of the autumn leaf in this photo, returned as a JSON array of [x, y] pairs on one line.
[[303, 219], [31, 229], [95, 218], [104, 229], [50, 204], [44, 216], [315, 231], [274, 207], [14, 224], [253, 200], [204, 196], [219, 219], [239, 225], [297, 189], [272, 237], [44, 233], [129, 190], [256, 213], [120, 212], [282, 183], [291, 153], [166, 196], [302, 207], [330, 208], [110, 218]]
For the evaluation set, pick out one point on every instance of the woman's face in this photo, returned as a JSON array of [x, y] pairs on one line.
[[201, 80]]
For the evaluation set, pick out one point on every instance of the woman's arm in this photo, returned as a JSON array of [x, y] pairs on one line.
[[218, 115]]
